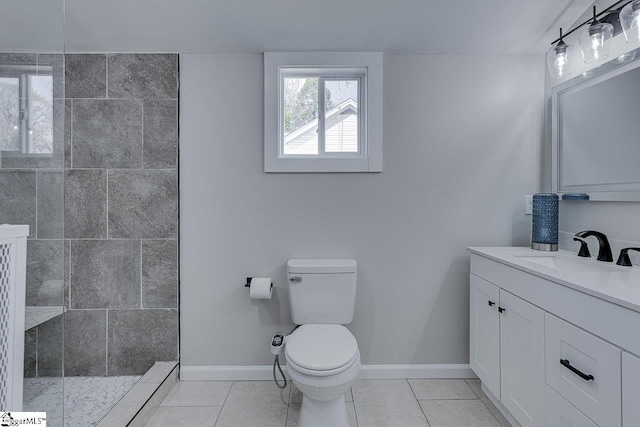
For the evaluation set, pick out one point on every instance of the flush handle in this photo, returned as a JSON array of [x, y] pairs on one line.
[[295, 279]]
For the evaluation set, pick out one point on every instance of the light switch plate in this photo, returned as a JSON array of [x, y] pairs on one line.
[[528, 204]]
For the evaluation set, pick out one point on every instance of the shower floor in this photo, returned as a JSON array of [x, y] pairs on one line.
[[86, 399]]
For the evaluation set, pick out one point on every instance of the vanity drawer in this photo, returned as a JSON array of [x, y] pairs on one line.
[[560, 413], [585, 370]]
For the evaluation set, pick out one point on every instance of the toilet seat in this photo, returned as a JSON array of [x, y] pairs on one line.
[[321, 350]]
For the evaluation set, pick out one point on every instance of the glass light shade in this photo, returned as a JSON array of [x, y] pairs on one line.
[[558, 60], [630, 20], [593, 41]]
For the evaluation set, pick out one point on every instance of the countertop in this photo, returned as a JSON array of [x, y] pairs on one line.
[[604, 280]]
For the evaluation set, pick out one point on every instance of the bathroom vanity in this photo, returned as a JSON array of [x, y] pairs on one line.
[[555, 339]]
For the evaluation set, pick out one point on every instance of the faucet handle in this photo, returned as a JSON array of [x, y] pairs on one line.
[[584, 248], [624, 259], [604, 252]]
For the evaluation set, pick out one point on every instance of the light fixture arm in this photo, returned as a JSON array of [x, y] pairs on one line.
[[595, 17]]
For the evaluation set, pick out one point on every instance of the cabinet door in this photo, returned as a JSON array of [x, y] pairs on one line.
[[485, 333], [522, 360], [630, 390]]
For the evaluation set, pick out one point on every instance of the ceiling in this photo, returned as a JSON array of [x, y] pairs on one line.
[[246, 26]]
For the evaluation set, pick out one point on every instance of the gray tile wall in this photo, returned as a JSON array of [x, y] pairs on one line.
[[103, 212], [121, 212]]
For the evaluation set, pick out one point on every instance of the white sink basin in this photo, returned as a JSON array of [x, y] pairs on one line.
[[559, 263]]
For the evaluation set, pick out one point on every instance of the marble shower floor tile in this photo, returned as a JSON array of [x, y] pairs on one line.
[[86, 399]]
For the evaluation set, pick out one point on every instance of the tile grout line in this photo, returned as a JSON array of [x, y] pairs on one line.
[[224, 403], [491, 412], [142, 134], [418, 402], [71, 138], [107, 197], [106, 76], [35, 232], [106, 344], [286, 418], [69, 302], [141, 252], [355, 411], [483, 402]]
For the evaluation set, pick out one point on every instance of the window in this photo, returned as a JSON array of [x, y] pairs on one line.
[[26, 111], [323, 112]]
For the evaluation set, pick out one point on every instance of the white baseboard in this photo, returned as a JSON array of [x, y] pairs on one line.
[[367, 372]]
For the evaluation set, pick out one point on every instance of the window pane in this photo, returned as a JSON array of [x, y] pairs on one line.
[[40, 123], [9, 114], [341, 116], [300, 116]]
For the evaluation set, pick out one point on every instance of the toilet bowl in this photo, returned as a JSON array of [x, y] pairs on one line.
[[322, 361]]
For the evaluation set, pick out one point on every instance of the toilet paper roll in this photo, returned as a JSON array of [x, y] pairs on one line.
[[260, 288]]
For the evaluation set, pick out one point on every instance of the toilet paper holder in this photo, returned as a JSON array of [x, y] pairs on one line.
[[248, 284]]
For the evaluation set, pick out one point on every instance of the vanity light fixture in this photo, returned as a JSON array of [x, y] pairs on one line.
[[593, 41], [558, 59], [630, 20]]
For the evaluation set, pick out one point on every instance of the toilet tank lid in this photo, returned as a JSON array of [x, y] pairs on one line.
[[326, 266]]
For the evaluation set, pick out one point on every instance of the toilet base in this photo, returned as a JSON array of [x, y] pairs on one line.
[[326, 413]]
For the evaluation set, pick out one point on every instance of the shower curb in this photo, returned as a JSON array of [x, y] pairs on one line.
[[137, 406]]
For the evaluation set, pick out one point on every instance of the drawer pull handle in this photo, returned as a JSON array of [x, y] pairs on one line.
[[501, 310], [567, 364], [491, 303]]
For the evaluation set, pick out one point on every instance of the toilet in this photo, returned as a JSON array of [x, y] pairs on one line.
[[322, 355]]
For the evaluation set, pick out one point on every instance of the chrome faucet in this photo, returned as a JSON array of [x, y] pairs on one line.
[[604, 253]]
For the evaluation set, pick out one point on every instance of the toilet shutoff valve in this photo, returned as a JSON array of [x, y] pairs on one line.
[[277, 343]]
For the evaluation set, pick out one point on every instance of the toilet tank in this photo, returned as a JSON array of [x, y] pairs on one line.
[[322, 290]]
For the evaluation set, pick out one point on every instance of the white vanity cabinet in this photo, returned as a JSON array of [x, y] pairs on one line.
[[507, 350], [549, 353], [630, 390]]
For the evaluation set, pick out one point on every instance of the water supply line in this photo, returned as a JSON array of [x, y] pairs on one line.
[[276, 362]]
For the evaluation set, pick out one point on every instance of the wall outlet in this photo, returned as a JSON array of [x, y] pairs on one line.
[[528, 204]]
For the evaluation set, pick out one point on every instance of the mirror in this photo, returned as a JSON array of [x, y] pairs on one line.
[[596, 132]]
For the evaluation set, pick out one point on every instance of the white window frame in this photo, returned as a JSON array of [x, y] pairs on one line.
[[365, 66]]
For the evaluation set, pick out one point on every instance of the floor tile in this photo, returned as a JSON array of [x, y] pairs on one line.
[[386, 403], [458, 413], [441, 389], [255, 403], [198, 393], [180, 416], [294, 414], [475, 385]]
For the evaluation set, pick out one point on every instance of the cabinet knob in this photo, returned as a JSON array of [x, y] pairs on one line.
[[491, 303], [501, 310]]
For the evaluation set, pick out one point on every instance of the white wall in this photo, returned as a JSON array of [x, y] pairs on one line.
[[616, 219], [462, 146]]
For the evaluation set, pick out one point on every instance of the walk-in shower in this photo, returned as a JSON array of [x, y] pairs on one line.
[[88, 160]]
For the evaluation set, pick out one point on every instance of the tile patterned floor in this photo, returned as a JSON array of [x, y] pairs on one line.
[[86, 399], [370, 403]]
